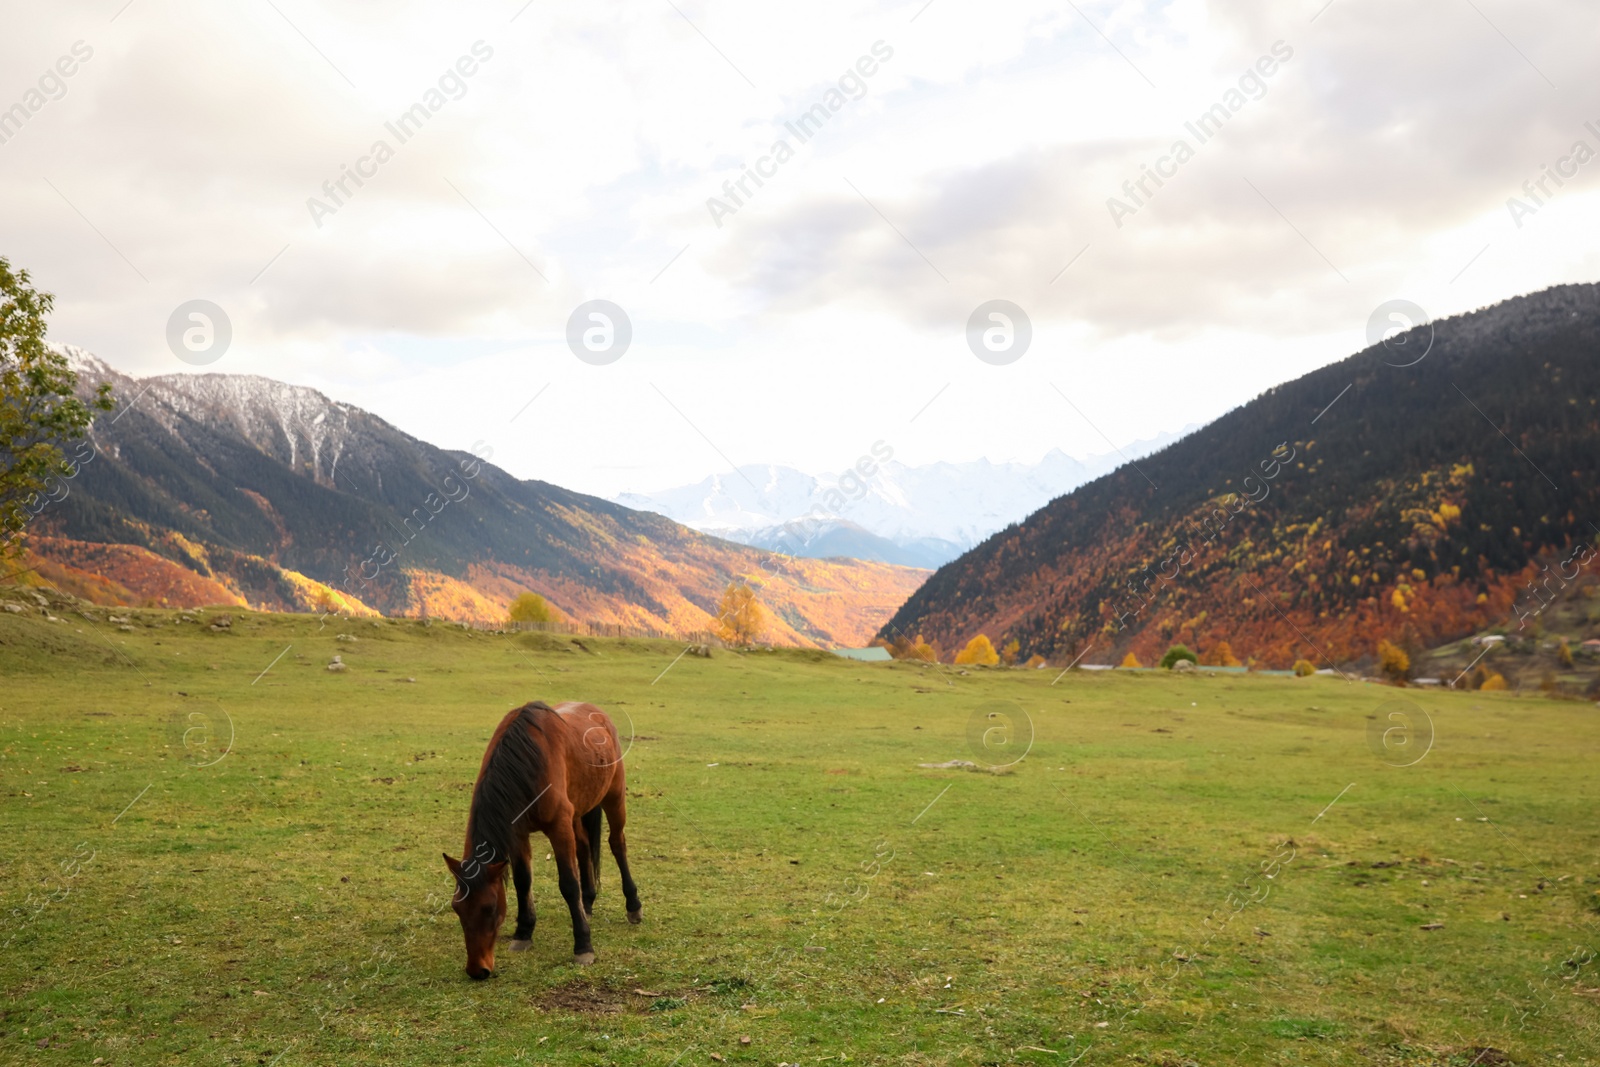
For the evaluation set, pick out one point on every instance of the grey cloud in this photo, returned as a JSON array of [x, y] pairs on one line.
[[1374, 136]]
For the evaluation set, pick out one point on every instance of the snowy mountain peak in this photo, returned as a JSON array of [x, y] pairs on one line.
[[937, 510], [294, 423], [86, 365]]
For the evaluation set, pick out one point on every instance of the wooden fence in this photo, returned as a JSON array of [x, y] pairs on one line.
[[590, 628]]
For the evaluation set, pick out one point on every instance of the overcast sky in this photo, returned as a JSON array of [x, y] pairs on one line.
[[1368, 153]]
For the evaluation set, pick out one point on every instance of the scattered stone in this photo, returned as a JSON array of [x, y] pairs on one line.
[[126, 628], [344, 637], [1184, 666], [117, 619], [40, 598], [15, 609], [1433, 926], [703, 651], [337, 664], [222, 622], [955, 764]]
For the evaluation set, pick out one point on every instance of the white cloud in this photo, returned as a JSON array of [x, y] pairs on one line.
[[810, 323]]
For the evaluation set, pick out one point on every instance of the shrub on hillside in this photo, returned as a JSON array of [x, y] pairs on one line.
[[1304, 668], [1177, 652]]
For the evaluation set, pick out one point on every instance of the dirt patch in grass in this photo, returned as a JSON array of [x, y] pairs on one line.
[[585, 997]]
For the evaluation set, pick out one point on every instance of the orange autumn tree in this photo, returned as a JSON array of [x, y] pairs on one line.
[[903, 647], [1221, 655]]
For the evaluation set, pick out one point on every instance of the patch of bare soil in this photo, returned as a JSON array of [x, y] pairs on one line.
[[583, 996]]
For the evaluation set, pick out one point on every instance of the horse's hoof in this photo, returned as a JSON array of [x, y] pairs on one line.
[[636, 916], [583, 959], [521, 945]]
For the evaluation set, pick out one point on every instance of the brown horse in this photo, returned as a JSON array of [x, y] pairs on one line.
[[551, 770]]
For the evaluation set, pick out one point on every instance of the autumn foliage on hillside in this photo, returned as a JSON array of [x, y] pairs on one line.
[[1407, 513], [234, 489]]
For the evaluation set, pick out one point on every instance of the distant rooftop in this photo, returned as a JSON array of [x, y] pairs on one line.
[[869, 655]]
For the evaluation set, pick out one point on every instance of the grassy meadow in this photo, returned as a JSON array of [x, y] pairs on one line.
[[217, 851]]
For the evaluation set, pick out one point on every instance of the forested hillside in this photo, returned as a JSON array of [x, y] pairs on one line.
[[237, 489], [1416, 508]]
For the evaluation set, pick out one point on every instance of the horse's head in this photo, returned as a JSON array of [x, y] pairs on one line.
[[480, 904]]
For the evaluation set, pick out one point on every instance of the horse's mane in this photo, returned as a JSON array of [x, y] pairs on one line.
[[512, 777]]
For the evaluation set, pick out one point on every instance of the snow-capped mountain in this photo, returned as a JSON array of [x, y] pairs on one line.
[[294, 424], [932, 512], [236, 489]]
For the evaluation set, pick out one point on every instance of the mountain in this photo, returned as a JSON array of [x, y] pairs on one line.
[[1383, 501], [918, 516], [816, 539], [235, 489]]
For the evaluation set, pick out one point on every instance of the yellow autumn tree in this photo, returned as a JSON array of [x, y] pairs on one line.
[[979, 653], [1130, 660], [740, 619], [1010, 651], [1393, 661], [1221, 655], [530, 607]]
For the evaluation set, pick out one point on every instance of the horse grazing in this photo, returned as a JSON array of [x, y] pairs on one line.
[[551, 770]]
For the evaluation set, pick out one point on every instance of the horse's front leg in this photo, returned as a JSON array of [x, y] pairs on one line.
[[522, 878]]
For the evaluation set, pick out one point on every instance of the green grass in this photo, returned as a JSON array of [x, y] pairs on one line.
[[805, 883]]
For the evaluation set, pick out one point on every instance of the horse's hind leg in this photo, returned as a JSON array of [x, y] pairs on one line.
[[522, 878], [616, 809], [591, 831]]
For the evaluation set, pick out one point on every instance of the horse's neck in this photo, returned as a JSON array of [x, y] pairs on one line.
[[478, 845]]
